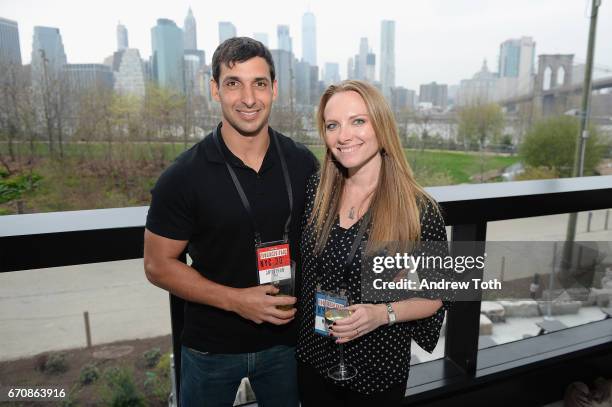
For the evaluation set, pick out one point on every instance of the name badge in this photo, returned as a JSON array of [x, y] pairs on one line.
[[325, 300], [273, 262]]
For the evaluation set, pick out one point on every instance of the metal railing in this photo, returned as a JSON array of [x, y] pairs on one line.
[[70, 238]]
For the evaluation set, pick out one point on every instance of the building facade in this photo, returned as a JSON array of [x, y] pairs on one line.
[[10, 51], [434, 93], [122, 37], [190, 40], [128, 73], [262, 37], [284, 39], [167, 59], [88, 77], [332, 73], [227, 30], [285, 68], [387, 56], [482, 88], [309, 39]]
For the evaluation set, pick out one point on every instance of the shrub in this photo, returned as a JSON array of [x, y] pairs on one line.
[[151, 357], [56, 364], [89, 374], [157, 382], [120, 389]]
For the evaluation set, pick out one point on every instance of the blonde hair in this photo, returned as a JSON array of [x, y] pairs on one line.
[[397, 200]]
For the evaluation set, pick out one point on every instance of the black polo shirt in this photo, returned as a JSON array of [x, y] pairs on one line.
[[195, 199]]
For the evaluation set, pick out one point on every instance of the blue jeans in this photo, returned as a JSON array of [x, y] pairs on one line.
[[212, 379]]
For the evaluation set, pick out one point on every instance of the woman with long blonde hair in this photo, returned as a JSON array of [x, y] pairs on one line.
[[365, 191]]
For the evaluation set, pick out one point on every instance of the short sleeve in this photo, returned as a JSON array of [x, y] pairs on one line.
[[426, 331], [311, 161], [172, 210]]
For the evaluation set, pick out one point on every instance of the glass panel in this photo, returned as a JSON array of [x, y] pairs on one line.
[[539, 293], [47, 315]]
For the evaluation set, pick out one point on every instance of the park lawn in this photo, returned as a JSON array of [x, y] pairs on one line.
[[459, 166]]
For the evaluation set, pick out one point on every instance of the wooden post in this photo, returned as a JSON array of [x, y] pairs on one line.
[[87, 328]]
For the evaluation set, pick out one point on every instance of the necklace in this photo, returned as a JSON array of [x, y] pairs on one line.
[[351, 214]]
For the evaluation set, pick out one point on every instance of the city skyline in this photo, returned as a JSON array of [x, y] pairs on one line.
[[472, 24]]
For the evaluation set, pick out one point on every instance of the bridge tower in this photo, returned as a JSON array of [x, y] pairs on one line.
[[554, 72]]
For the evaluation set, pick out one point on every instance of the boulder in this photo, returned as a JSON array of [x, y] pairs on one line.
[[493, 310], [520, 308], [560, 307], [486, 326]]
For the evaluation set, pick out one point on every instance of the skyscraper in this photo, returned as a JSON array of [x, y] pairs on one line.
[[284, 39], [48, 56], [370, 67], [167, 58], [309, 38], [190, 40], [350, 69], [362, 59], [10, 52], [516, 57], [194, 63], [226, 30], [387, 56], [332, 73], [122, 37], [302, 83], [261, 37], [128, 72], [284, 66]]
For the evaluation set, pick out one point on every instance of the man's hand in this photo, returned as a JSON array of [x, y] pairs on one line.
[[255, 304]]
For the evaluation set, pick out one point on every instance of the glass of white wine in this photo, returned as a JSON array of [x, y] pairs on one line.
[[341, 371]]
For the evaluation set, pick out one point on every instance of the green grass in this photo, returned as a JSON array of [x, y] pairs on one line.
[[454, 167], [459, 166]]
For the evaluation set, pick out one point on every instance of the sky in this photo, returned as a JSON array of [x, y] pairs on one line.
[[436, 40]]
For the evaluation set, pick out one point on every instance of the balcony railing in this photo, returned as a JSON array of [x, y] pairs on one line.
[[465, 375]]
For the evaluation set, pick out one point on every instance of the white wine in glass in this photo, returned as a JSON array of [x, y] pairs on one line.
[[341, 371]]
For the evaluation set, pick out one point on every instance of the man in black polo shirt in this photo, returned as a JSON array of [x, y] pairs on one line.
[[239, 190]]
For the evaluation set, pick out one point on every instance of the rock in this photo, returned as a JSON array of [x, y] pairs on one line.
[[603, 296], [493, 310], [520, 308], [486, 326], [560, 307]]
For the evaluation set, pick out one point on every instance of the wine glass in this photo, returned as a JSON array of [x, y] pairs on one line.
[[341, 371]]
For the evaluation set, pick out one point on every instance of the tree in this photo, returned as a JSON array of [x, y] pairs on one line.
[[479, 124], [551, 143]]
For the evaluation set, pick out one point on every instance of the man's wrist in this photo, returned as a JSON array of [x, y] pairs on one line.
[[230, 297]]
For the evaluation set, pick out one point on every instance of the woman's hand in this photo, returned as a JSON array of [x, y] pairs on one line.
[[364, 319]]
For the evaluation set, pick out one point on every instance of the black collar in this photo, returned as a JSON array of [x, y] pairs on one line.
[[212, 153]]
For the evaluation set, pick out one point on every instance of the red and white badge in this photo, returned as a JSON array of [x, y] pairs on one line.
[[273, 262]]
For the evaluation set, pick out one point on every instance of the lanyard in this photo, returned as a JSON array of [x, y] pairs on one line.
[[365, 221], [240, 190]]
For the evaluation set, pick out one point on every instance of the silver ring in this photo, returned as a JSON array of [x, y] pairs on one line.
[[357, 329]]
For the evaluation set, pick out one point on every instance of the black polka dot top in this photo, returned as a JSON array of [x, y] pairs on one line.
[[382, 357]]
